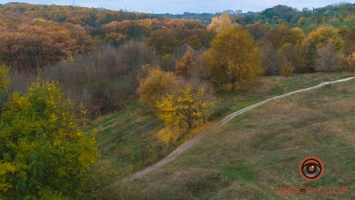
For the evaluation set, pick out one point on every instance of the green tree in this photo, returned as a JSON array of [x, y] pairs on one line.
[[234, 59], [4, 79], [43, 151], [4, 84]]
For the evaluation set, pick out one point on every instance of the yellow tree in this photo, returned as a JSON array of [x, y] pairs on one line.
[[185, 108], [155, 85], [234, 59], [323, 35], [220, 23], [286, 68]]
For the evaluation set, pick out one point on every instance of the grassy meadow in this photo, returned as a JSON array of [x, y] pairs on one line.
[[259, 151], [250, 156]]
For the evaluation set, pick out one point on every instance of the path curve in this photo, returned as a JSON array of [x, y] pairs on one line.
[[173, 155]]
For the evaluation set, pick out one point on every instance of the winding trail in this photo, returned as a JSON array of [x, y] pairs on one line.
[[173, 155]]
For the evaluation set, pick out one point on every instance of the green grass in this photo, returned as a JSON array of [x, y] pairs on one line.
[[269, 87], [259, 151], [127, 138], [238, 173]]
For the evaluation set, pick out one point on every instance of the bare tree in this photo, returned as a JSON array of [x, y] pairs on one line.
[[328, 59]]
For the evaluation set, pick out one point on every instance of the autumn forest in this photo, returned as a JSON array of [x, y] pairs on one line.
[[63, 67]]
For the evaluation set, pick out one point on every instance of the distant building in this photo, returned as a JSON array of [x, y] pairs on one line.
[[229, 12], [238, 12], [232, 12]]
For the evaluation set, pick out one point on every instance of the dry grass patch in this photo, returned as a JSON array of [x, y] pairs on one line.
[[341, 129], [266, 85]]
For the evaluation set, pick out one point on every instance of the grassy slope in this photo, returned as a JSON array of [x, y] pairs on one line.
[[259, 151], [127, 138]]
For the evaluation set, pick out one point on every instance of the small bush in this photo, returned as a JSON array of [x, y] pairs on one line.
[[350, 60], [286, 68]]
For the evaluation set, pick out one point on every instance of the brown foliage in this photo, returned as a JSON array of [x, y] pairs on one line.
[[286, 68], [257, 30], [76, 15], [31, 47], [88, 80], [194, 42], [200, 70], [351, 62], [349, 46], [328, 58], [184, 65], [162, 41], [283, 34], [271, 60]]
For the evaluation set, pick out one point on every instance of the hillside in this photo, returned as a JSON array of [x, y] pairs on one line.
[[259, 151], [127, 138], [89, 98]]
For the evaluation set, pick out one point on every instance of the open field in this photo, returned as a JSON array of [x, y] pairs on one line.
[[127, 138], [259, 151]]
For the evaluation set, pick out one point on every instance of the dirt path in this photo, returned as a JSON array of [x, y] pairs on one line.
[[172, 156]]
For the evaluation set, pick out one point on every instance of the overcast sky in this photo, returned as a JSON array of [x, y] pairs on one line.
[[180, 6]]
